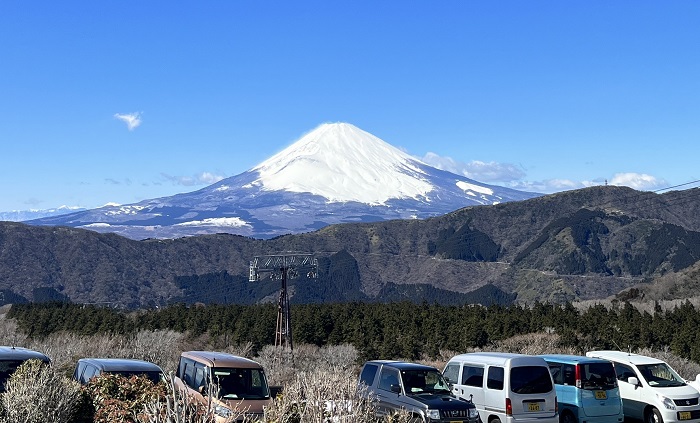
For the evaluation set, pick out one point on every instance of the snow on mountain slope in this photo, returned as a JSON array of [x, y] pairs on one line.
[[341, 162], [336, 173]]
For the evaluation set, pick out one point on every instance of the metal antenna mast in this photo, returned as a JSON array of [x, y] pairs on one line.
[[283, 267]]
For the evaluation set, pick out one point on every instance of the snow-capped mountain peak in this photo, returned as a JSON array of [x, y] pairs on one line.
[[336, 173], [341, 162]]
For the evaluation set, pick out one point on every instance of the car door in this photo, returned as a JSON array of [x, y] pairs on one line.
[[631, 394], [386, 398]]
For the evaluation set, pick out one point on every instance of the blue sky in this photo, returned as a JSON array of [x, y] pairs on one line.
[[536, 95]]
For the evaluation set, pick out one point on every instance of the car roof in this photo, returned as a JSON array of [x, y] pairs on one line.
[[19, 353], [571, 359], [499, 359], [221, 359], [403, 365], [121, 365], [624, 357]]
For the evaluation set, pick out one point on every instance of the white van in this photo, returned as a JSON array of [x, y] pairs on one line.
[[651, 390], [506, 388]]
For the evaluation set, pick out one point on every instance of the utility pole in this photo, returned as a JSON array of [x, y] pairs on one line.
[[283, 267]]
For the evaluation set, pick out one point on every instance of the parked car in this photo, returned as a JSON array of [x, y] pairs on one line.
[[13, 357], [505, 388], [88, 368], [587, 390], [235, 385], [421, 390], [651, 390]]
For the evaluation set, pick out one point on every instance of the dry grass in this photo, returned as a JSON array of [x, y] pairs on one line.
[[39, 394]]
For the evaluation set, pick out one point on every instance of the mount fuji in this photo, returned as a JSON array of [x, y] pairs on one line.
[[336, 173]]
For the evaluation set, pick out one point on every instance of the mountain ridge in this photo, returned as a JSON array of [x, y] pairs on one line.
[[577, 245]]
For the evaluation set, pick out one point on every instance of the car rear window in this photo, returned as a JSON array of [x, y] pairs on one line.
[[530, 380]]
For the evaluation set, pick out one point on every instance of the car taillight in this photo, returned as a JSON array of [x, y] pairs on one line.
[[556, 405], [578, 376], [509, 407]]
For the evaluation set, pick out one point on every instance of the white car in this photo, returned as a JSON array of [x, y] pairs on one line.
[[651, 390]]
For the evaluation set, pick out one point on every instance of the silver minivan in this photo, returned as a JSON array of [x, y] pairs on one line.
[[505, 387]]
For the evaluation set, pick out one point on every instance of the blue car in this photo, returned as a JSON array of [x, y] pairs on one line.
[[587, 390]]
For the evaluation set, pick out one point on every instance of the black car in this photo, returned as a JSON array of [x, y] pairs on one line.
[[88, 368], [416, 388], [13, 357]]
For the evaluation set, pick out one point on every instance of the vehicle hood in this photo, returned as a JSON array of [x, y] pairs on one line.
[[676, 392], [442, 401]]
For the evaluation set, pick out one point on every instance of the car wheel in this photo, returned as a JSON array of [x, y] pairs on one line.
[[653, 416], [567, 417], [495, 420]]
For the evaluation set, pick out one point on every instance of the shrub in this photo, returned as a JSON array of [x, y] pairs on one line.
[[175, 407], [119, 399], [321, 395], [37, 393]]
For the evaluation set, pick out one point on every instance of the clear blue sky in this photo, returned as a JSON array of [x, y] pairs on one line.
[[540, 95]]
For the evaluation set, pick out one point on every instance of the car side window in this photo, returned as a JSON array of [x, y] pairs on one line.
[[79, 371], [568, 374], [451, 373], [557, 375], [187, 372], [623, 372], [388, 377], [89, 372], [495, 378], [368, 374], [472, 376], [200, 375]]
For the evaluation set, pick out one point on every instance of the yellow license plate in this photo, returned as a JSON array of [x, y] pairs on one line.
[[533, 406], [684, 415], [601, 395], [456, 421]]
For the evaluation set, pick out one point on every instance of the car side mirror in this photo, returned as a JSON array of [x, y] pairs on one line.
[[633, 381], [396, 388]]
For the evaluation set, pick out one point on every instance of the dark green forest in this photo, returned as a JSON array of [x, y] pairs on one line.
[[385, 330]]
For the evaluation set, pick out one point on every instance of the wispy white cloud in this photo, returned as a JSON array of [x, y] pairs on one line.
[[513, 176], [132, 120], [477, 170], [638, 181], [204, 178]]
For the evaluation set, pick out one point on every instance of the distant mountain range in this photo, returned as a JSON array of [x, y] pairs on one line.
[[576, 245], [337, 173], [24, 215]]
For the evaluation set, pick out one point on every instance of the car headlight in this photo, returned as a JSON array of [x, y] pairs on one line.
[[433, 414], [667, 402], [473, 413], [222, 411]]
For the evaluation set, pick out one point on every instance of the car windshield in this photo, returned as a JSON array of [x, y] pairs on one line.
[[660, 375], [598, 376], [424, 381], [235, 383]]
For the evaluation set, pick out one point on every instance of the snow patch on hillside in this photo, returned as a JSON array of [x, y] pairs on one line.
[[468, 188], [231, 222]]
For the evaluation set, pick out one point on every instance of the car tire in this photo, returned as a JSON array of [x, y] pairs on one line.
[[567, 417], [653, 416], [495, 420]]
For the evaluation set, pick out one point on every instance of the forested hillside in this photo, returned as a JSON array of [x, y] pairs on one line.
[[576, 245], [377, 330]]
